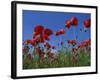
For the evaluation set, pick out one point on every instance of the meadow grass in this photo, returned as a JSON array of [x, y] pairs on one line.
[[63, 60]]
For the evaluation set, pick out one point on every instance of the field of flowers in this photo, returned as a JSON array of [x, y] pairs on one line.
[[39, 53], [63, 60]]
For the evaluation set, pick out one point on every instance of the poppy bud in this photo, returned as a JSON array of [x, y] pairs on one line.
[[74, 21], [57, 33], [62, 31], [68, 24], [87, 23]]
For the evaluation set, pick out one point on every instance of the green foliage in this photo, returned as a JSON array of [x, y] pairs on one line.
[[63, 60]]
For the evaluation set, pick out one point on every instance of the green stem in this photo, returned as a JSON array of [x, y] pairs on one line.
[[74, 33]]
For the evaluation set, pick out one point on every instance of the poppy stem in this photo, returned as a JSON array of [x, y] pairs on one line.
[[89, 33], [74, 33], [65, 36]]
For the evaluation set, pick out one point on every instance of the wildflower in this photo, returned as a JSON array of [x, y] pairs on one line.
[[62, 31], [87, 23], [69, 41], [86, 42], [74, 21], [80, 46], [72, 42], [28, 41], [46, 37], [68, 24], [57, 33], [39, 29], [48, 45], [48, 32]]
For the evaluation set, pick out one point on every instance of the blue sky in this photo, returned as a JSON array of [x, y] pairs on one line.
[[55, 21]]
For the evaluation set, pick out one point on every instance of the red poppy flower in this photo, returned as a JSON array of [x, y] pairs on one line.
[[36, 39], [68, 24], [87, 23], [69, 41], [39, 29], [74, 21], [57, 33], [86, 42], [48, 45], [48, 32], [46, 37], [62, 31], [80, 46], [53, 47], [73, 42], [28, 41], [33, 43]]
